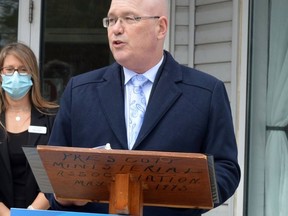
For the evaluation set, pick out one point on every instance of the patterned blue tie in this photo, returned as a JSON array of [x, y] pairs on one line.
[[137, 107]]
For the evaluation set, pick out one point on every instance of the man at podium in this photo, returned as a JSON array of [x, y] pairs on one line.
[[177, 109]]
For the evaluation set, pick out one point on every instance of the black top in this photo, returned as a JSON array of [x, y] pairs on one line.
[[18, 166], [13, 164]]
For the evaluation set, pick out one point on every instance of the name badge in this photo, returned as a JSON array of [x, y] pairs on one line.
[[37, 129]]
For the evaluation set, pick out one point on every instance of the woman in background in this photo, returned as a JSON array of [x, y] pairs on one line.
[[26, 120]]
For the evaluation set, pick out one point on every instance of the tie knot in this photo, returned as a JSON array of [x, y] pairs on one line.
[[139, 80]]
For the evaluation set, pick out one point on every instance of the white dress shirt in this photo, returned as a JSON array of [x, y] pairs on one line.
[[128, 74]]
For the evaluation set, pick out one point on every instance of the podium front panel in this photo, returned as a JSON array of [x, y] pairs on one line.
[[168, 179]]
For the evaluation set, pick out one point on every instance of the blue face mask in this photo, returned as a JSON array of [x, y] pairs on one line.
[[16, 86]]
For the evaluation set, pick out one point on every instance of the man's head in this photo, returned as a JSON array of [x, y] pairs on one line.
[[136, 32]]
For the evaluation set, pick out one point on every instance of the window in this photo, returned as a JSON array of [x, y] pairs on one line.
[[268, 146], [74, 41], [8, 21]]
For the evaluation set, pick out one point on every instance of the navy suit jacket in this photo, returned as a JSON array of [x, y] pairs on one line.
[[188, 111]]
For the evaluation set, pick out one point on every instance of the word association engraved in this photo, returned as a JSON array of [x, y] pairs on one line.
[[160, 173]]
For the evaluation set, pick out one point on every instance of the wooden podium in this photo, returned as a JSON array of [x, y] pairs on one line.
[[127, 180]]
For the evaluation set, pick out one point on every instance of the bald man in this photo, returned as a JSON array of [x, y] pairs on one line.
[[183, 110]]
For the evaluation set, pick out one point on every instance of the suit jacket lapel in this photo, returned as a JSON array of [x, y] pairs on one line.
[[164, 94], [111, 96], [37, 119], [3, 146]]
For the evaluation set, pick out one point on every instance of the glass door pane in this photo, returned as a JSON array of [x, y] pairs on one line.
[[74, 42], [268, 127], [8, 21], [258, 70]]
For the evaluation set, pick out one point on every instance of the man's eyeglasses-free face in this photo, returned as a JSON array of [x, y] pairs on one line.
[[110, 21], [9, 71]]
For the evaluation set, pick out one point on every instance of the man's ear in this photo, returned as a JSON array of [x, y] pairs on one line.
[[162, 27]]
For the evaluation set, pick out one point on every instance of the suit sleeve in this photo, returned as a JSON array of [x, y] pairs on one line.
[[221, 143]]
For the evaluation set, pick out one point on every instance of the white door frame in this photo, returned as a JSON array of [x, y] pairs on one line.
[[242, 65], [29, 24]]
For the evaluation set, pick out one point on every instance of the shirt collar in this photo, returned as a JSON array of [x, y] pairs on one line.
[[150, 74]]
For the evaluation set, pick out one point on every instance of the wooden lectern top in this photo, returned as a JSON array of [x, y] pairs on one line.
[[168, 179]]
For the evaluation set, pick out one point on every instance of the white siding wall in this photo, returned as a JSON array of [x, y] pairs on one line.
[[202, 37]]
